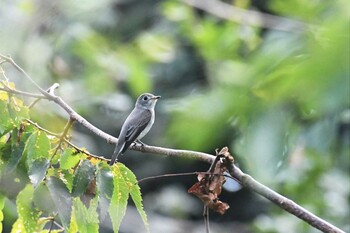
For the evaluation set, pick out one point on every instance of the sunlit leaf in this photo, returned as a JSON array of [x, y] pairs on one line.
[[67, 176], [18, 227], [119, 200], [26, 212], [61, 198], [69, 158], [37, 146], [2, 204], [135, 193], [124, 183], [83, 176], [73, 227], [86, 218]]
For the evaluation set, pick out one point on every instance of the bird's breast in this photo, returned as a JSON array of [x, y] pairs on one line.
[[148, 127]]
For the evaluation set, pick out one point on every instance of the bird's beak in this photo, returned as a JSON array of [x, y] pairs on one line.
[[156, 97]]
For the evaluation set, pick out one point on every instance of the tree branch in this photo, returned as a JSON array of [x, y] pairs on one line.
[[247, 17], [9, 90], [246, 180], [283, 202]]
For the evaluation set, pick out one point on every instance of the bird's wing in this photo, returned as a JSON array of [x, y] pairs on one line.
[[140, 121], [137, 121]]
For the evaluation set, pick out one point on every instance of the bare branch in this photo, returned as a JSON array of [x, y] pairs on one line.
[[283, 202], [9, 90], [246, 17], [49, 90], [182, 174]]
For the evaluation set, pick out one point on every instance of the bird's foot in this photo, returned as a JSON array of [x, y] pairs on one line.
[[141, 143]]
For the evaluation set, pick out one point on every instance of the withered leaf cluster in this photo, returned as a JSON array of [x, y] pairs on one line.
[[209, 185]]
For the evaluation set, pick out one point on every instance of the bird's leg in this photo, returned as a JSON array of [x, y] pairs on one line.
[[141, 143]]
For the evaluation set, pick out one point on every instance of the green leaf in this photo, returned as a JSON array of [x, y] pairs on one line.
[[124, 183], [2, 204], [38, 170], [17, 111], [73, 228], [67, 177], [83, 176], [5, 119], [69, 158], [12, 113], [18, 226], [37, 146], [120, 196], [105, 188], [43, 201], [12, 150], [135, 193], [86, 218], [26, 213], [62, 199]]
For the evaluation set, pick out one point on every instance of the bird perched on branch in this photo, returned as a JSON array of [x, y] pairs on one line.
[[137, 124]]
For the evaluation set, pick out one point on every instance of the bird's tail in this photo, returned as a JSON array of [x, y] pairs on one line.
[[117, 150]]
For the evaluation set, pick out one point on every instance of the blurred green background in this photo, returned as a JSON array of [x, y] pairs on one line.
[[278, 99]]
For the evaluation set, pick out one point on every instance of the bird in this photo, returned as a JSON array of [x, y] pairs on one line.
[[136, 125]]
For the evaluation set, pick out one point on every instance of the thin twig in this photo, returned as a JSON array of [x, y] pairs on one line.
[[63, 135], [14, 64], [206, 218], [247, 17], [182, 174], [22, 93], [49, 90], [283, 202], [42, 129], [51, 225], [66, 141]]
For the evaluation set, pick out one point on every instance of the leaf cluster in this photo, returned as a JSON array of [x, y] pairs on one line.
[[58, 188]]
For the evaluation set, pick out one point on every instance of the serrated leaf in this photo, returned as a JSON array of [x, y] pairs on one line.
[[18, 227], [86, 218], [62, 199], [73, 227], [69, 158], [28, 214], [83, 176], [37, 146], [105, 188], [119, 199], [67, 177], [37, 171], [135, 193]]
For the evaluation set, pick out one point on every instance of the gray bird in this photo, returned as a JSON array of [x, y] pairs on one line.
[[137, 124]]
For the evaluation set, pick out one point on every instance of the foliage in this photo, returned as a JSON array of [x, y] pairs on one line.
[[77, 186]]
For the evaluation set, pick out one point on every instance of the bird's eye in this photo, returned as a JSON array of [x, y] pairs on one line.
[[145, 98]]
